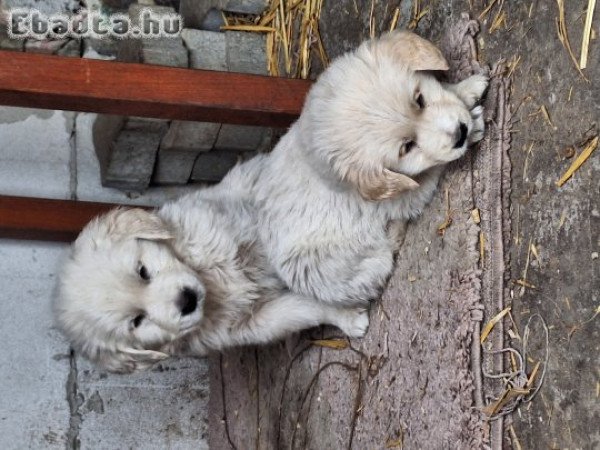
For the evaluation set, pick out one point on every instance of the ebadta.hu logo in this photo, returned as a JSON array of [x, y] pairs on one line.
[[33, 24]]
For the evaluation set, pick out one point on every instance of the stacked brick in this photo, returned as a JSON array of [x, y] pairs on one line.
[[187, 151]]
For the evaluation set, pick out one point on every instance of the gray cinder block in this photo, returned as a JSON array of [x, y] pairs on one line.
[[72, 48], [213, 20], [6, 43], [127, 161], [207, 49], [242, 138], [246, 52], [158, 51], [214, 165], [179, 149], [187, 142], [104, 47], [246, 6], [47, 47], [194, 11]]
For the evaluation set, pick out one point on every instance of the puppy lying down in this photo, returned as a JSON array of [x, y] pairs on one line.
[[301, 237]]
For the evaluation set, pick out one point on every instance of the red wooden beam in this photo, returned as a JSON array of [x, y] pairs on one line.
[[47, 220], [127, 89]]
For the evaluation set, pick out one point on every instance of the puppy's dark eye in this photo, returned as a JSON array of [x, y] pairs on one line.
[[137, 320], [407, 147], [143, 272], [420, 101]]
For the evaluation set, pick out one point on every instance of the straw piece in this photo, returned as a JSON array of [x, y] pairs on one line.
[[487, 9], [255, 28], [482, 248], [336, 344], [492, 323], [394, 443], [395, 19], [524, 284], [587, 31], [563, 35], [583, 156]]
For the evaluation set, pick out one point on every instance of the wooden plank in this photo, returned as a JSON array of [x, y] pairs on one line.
[[48, 220], [54, 82]]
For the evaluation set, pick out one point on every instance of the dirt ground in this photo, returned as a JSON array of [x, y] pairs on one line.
[[555, 232], [554, 235]]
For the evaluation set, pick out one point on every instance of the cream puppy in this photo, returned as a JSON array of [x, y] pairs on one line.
[[140, 286], [376, 131]]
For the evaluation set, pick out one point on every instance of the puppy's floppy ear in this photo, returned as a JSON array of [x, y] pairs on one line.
[[118, 224], [417, 53], [138, 223], [381, 184]]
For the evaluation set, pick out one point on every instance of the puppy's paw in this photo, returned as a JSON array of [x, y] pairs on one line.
[[353, 322], [472, 89], [478, 129]]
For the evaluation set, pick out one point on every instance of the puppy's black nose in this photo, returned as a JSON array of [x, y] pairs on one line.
[[187, 301], [460, 135]]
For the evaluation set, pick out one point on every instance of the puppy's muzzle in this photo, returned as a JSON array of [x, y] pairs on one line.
[[187, 301], [460, 135]]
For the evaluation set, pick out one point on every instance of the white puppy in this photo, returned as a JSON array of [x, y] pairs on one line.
[[190, 277], [365, 156]]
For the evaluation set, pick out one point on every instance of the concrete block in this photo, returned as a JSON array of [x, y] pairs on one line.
[[161, 51], [46, 47], [213, 20], [180, 148], [89, 184], [165, 53], [242, 138], [246, 52], [173, 166], [72, 48], [194, 12], [191, 136], [6, 43], [126, 150], [106, 48], [214, 165], [133, 154], [207, 49], [246, 6]]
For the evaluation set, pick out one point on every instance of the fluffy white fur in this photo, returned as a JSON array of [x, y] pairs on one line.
[[302, 237], [126, 318], [364, 157]]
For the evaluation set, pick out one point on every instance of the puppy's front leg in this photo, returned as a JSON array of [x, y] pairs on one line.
[[396, 232], [470, 90], [290, 313]]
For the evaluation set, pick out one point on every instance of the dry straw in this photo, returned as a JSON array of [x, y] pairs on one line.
[[293, 37]]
